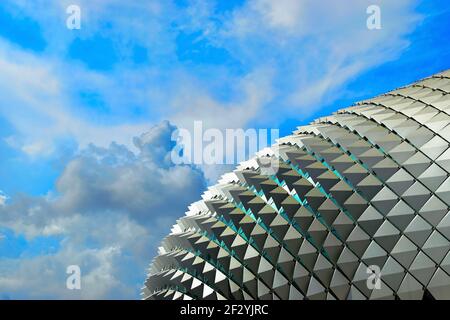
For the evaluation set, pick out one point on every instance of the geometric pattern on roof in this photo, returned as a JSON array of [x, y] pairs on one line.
[[368, 185]]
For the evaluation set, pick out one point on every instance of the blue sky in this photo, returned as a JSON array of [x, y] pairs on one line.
[[86, 115]]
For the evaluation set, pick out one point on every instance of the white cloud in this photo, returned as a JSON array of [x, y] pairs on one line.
[[40, 110], [3, 198], [44, 277], [193, 104], [111, 203], [295, 60], [284, 14], [293, 63], [46, 87], [316, 47], [111, 209]]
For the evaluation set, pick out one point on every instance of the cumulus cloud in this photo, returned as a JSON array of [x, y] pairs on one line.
[[44, 277], [111, 207], [118, 196]]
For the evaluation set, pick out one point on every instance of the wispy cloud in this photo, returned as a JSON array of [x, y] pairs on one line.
[[3, 199], [289, 60]]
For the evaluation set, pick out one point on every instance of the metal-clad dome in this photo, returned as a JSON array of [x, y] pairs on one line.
[[367, 186]]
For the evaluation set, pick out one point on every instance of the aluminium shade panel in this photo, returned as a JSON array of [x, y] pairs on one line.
[[367, 186]]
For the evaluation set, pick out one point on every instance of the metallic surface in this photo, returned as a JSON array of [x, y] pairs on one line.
[[367, 188]]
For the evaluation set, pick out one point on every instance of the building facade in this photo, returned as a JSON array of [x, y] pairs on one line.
[[352, 206]]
